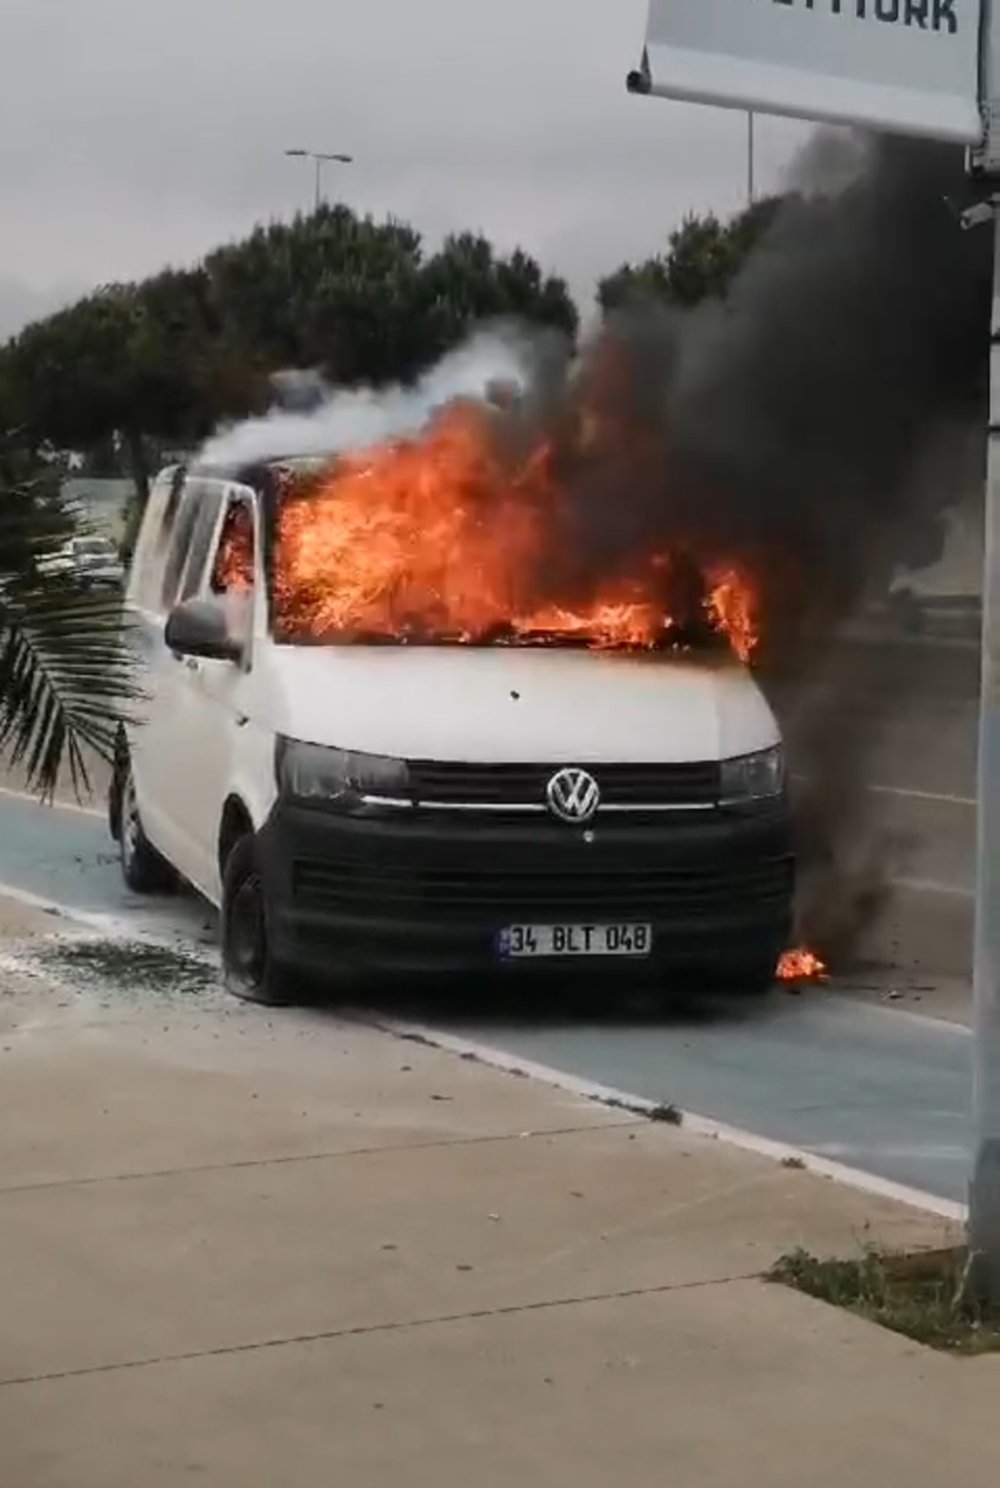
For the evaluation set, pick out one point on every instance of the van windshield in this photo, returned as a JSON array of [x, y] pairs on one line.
[[348, 567]]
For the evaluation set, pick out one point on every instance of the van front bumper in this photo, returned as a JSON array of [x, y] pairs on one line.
[[432, 892]]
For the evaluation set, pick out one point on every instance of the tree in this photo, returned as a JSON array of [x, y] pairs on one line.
[[103, 460], [703, 257], [160, 363], [465, 283], [358, 299], [65, 667], [322, 291], [126, 364]]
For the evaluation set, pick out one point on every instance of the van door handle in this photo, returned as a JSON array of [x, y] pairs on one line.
[[191, 662]]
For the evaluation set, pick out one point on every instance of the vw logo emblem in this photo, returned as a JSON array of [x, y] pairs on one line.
[[573, 795]]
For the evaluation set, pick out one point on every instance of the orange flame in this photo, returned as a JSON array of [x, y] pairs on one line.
[[447, 537], [732, 607], [232, 571], [802, 965]]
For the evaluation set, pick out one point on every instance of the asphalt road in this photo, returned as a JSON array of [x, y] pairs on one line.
[[871, 1087], [864, 1084]]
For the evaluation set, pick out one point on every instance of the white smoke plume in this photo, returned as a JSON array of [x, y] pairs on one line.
[[355, 418]]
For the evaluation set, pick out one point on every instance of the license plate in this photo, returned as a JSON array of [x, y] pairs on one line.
[[526, 942]]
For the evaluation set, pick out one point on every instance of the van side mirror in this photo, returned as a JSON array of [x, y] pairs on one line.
[[198, 627]]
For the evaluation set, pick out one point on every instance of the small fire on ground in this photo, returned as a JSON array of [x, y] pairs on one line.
[[802, 965], [460, 535]]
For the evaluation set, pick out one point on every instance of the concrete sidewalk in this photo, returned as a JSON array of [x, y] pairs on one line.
[[257, 1250]]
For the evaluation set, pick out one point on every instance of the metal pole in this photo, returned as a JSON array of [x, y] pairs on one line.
[[751, 163], [984, 1188], [319, 158]]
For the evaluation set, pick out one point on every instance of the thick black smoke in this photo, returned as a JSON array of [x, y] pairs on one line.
[[793, 420], [854, 340], [815, 423]]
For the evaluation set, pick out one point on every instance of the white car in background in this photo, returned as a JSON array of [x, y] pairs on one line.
[[944, 597], [93, 561]]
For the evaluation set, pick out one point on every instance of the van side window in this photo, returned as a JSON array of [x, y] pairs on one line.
[[232, 575], [202, 535], [180, 544], [233, 566], [150, 554], [173, 501]]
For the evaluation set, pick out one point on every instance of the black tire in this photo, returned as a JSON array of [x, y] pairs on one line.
[[754, 978], [143, 870], [249, 970], [115, 799]]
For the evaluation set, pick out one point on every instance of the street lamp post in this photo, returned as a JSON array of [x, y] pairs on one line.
[[984, 1188], [319, 159]]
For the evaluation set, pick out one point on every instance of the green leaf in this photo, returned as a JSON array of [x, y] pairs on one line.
[[67, 679]]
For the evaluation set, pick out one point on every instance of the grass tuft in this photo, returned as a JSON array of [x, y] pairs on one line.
[[925, 1296]]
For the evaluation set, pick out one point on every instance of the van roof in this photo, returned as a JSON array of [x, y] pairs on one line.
[[251, 474]]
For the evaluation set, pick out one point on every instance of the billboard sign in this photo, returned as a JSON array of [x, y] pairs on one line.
[[908, 66]]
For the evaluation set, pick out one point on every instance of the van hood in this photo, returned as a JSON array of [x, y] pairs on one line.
[[514, 705]]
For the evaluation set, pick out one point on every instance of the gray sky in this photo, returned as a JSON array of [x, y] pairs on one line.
[[135, 133]]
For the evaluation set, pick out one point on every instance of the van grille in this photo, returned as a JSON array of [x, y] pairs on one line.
[[636, 786], [540, 894]]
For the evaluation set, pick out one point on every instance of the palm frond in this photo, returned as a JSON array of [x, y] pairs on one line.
[[67, 679]]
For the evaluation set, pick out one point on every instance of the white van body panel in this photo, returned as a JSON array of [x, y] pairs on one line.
[[507, 705], [437, 703]]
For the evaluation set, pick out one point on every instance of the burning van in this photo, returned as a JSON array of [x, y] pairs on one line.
[[379, 743]]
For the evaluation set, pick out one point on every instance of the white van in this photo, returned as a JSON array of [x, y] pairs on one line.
[[412, 808]]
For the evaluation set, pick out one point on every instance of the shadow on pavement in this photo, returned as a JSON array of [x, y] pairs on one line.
[[534, 1003]]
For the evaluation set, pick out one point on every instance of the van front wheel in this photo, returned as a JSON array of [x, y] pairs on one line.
[[249, 970], [755, 978]]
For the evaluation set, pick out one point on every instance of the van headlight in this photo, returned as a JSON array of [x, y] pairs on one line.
[[338, 777], [753, 777]]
